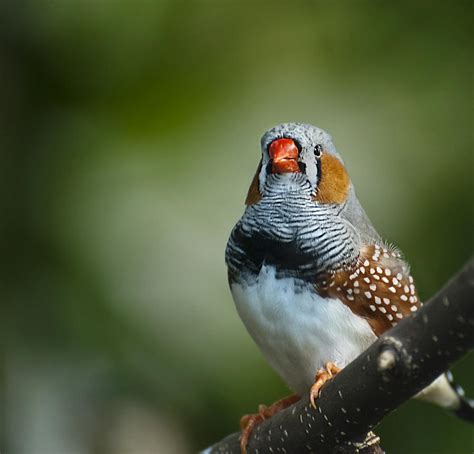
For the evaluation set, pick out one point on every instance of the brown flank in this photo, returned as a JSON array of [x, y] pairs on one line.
[[378, 288]]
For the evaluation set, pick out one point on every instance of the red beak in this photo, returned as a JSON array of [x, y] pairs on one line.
[[284, 156]]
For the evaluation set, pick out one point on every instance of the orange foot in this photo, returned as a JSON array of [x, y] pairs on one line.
[[322, 376], [249, 422]]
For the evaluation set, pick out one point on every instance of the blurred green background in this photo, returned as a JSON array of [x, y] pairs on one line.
[[129, 132]]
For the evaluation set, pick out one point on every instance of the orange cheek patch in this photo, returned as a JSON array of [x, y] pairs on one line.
[[334, 184], [253, 195]]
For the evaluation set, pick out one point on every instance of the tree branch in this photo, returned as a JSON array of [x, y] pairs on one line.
[[399, 364]]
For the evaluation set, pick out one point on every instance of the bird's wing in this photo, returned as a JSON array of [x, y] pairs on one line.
[[379, 288]]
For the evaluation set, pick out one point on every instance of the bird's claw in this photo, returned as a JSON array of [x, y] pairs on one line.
[[250, 421], [322, 376]]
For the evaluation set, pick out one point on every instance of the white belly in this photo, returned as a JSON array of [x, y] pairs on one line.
[[299, 332]]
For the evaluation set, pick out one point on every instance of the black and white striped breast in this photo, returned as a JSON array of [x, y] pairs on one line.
[[290, 231]]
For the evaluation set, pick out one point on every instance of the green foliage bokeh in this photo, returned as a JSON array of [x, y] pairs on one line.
[[129, 132]]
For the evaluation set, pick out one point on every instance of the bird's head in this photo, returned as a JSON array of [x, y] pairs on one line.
[[305, 156]]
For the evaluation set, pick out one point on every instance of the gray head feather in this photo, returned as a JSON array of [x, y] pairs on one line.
[[308, 136]]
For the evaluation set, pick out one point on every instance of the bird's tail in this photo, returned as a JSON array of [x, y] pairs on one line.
[[447, 394], [465, 410]]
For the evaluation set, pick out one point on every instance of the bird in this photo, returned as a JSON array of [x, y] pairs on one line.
[[311, 279]]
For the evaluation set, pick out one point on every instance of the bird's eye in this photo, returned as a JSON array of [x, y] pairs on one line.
[[318, 149]]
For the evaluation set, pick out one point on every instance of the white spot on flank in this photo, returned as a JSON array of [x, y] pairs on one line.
[[385, 280], [356, 283], [379, 270], [399, 315], [373, 287], [387, 272], [390, 316], [403, 298], [399, 276], [383, 310], [394, 308], [378, 300], [392, 289], [366, 263], [366, 279], [368, 294], [413, 308], [372, 308], [386, 301], [395, 281]]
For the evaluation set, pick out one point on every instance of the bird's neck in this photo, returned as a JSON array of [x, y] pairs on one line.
[[288, 185], [290, 231]]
